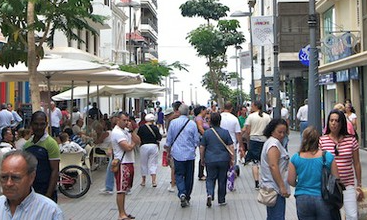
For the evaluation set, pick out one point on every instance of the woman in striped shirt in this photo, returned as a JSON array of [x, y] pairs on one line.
[[345, 148]]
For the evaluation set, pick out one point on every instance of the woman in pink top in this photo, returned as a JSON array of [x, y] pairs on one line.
[[345, 148]]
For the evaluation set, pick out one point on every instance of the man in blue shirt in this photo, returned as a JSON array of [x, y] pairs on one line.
[[20, 201], [182, 140]]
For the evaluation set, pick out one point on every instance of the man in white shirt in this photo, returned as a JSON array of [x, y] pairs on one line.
[[302, 116], [230, 123], [56, 117], [124, 139]]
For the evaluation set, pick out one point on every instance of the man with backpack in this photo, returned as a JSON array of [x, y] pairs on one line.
[[47, 152]]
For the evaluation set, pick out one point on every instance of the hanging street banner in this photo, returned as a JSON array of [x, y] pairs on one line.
[[262, 30], [245, 59]]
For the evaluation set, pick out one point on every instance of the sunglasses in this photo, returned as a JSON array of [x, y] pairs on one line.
[[336, 150]]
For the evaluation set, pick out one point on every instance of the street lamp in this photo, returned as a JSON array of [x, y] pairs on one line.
[[196, 95], [314, 102], [276, 78], [173, 89], [248, 14], [190, 93], [131, 4]]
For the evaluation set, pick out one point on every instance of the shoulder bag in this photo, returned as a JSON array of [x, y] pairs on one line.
[[151, 130], [267, 196], [331, 187], [115, 164], [232, 172]]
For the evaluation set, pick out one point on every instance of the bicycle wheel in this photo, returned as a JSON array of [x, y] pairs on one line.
[[74, 181]]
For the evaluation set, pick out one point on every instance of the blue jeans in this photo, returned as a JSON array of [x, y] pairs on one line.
[[312, 207], [110, 177], [184, 174], [217, 171], [278, 211], [302, 126]]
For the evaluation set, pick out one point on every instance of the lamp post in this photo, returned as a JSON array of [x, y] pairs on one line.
[[314, 102], [173, 89], [131, 4], [190, 93], [171, 92], [276, 77], [236, 57], [196, 95], [248, 14]]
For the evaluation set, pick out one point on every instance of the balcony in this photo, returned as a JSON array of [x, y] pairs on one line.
[[151, 5], [149, 28]]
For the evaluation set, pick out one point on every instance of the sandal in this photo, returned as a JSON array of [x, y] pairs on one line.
[[154, 184], [130, 216], [142, 184]]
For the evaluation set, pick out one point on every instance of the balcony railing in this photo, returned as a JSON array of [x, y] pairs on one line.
[[149, 22]]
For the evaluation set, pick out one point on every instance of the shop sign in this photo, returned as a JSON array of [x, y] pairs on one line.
[[304, 55], [338, 47], [342, 76], [327, 79], [353, 73]]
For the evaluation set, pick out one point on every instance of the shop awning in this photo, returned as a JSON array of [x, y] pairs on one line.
[[355, 60]]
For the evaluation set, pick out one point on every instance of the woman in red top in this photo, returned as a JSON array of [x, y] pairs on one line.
[[345, 148]]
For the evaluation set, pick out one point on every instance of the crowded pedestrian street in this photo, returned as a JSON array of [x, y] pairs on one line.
[[158, 203]]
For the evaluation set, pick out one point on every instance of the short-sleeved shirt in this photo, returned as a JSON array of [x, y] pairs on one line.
[[267, 179], [34, 206], [160, 117], [258, 125], [119, 134], [344, 161], [242, 120], [48, 143], [215, 151], [309, 172], [230, 123], [147, 137]]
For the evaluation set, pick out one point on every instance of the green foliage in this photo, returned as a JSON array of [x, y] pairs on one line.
[[63, 15], [208, 9], [211, 41], [153, 71]]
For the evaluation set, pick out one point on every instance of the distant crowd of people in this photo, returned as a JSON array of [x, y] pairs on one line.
[[225, 139]]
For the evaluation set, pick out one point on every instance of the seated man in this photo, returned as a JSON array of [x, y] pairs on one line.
[[75, 138], [19, 200], [68, 146]]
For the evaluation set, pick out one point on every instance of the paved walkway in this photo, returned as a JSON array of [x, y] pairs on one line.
[[159, 204]]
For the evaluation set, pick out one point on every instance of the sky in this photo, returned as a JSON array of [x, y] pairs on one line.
[[173, 46]]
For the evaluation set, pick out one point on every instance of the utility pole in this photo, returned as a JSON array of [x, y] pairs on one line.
[[314, 102], [263, 97], [276, 77]]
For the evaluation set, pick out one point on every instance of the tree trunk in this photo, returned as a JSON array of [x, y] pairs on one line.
[[215, 83], [33, 59]]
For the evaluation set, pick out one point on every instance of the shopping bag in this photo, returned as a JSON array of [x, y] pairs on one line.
[[231, 175], [164, 159], [362, 206]]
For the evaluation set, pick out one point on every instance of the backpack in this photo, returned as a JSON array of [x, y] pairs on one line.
[[43, 173]]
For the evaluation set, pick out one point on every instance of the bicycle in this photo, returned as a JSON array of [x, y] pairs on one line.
[[74, 181]]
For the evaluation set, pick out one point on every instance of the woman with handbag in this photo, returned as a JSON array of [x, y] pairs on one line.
[[149, 151], [217, 154], [274, 168], [345, 149], [304, 173]]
